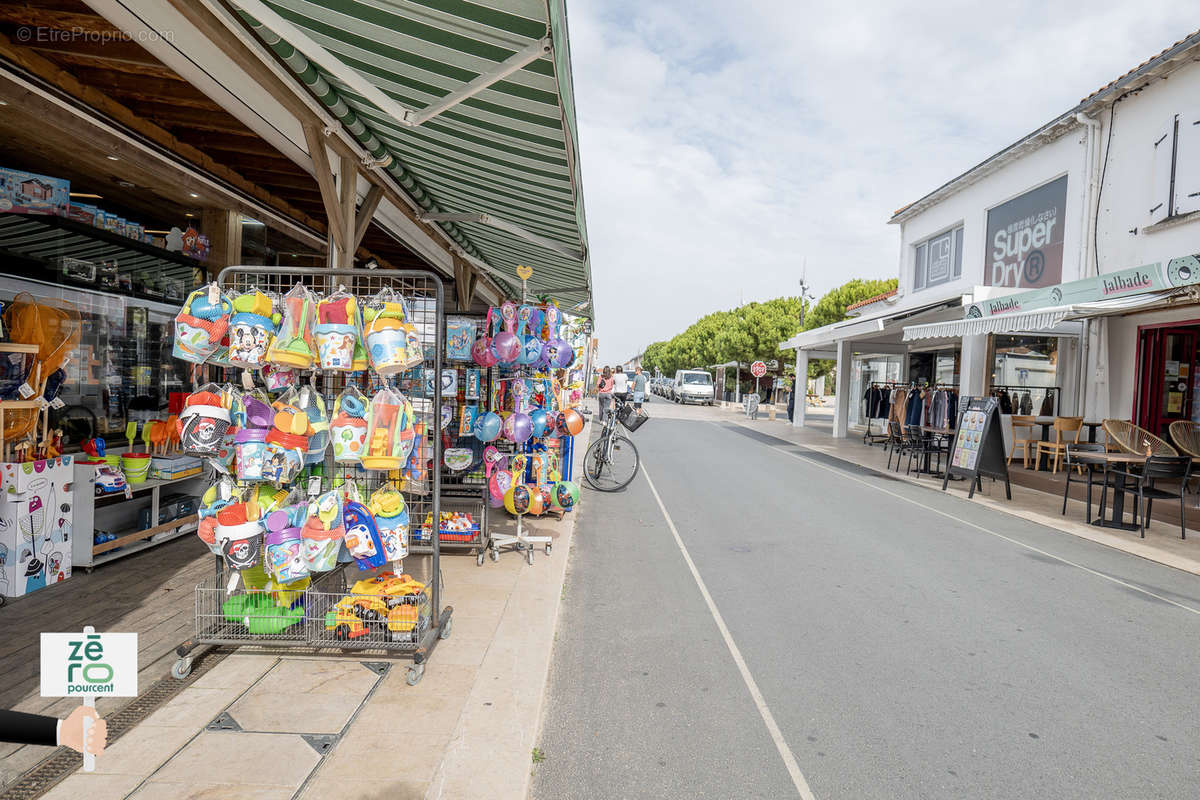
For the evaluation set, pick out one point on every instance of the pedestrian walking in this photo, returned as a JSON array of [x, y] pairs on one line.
[[640, 381], [620, 383], [604, 393], [792, 404]]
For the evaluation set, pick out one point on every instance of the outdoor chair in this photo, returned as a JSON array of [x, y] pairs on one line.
[[1144, 486], [923, 446], [903, 445], [1186, 436], [1132, 439], [1066, 431], [1069, 461], [1021, 425]]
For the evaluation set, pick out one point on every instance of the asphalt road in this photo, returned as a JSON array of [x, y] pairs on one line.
[[908, 644]]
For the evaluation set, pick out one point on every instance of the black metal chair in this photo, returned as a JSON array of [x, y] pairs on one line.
[[1144, 485], [899, 443], [1071, 464], [922, 447]]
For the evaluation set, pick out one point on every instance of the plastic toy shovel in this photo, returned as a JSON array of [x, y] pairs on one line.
[[131, 433], [146, 436]]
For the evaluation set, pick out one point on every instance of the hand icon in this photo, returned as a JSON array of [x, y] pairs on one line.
[[71, 733]]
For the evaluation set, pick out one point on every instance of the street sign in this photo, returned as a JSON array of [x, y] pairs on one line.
[[758, 369], [773, 365]]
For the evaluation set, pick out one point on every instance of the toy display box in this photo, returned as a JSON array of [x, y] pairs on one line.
[[172, 467], [35, 524], [30, 193]]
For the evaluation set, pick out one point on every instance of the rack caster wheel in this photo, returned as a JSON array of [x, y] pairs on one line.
[[529, 556], [444, 631], [479, 559], [415, 673], [548, 548], [495, 555], [181, 668]]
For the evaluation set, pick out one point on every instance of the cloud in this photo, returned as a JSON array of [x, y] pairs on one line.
[[724, 145]]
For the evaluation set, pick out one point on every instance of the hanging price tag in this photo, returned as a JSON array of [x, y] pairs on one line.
[[25, 390], [128, 492], [247, 380], [314, 485], [214, 294], [57, 403]]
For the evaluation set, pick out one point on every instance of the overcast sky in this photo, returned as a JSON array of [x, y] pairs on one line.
[[724, 143]]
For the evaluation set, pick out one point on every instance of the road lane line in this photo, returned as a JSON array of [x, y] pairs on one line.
[[1017, 542], [785, 752]]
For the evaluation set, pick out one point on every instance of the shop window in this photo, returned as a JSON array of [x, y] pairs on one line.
[[122, 370], [938, 260], [1175, 168], [1025, 368]]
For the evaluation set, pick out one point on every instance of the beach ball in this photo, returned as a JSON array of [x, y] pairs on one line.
[[539, 419], [531, 350], [521, 499], [564, 495], [569, 423], [518, 427], [487, 427], [506, 346], [481, 351]]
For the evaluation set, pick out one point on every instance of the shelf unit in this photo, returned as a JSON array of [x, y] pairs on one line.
[[120, 512]]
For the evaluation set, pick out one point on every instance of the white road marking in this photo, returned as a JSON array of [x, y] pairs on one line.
[[768, 719], [1017, 542]]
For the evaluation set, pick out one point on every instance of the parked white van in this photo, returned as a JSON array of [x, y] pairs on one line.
[[692, 386]]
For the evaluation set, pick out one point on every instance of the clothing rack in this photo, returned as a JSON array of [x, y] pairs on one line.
[[1048, 394], [870, 438]]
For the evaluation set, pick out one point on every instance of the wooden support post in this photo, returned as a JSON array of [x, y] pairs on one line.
[[464, 282], [365, 213], [324, 175], [224, 231], [348, 194]]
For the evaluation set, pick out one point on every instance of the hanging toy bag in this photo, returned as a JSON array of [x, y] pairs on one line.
[[239, 533], [204, 421], [251, 329], [505, 344], [314, 408], [362, 536], [391, 520], [390, 433], [323, 532], [392, 340], [284, 557], [218, 496], [293, 345], [481, 350], [201, 324], [348, 428], [255, 420], [287, 441], [337, 331], [529, 326]]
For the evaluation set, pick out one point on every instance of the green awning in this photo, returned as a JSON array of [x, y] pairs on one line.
[[495, 163]]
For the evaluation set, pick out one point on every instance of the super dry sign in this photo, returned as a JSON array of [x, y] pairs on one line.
[[1025, 238]]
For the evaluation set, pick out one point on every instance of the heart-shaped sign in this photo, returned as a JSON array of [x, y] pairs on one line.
[[524, 272]]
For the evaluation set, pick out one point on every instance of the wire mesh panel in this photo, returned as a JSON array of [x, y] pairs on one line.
[[387, 612], [242, 615]]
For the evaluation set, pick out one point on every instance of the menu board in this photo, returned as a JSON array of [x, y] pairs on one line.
[[979, 445]]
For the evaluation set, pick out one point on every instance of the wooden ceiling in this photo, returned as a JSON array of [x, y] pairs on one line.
[[128, 75]]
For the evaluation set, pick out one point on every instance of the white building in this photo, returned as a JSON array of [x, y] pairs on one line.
[[1018, 274]]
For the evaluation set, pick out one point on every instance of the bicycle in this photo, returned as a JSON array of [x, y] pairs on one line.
[[611, 461]]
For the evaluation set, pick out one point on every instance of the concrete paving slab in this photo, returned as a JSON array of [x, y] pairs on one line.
[[323, 787], [236, 672], [242, 759], [160, 790], [362, 754], [93, 786], [304, 696], [192, 708], [143, 749]]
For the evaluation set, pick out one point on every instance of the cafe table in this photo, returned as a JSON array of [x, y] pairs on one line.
[[1120, 460], [931, 432]]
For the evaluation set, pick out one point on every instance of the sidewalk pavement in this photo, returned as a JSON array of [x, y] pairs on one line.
[[1162, 543], [277, 725]]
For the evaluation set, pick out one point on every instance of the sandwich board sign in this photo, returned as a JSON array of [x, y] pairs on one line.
[[979, 445], [88, 665]]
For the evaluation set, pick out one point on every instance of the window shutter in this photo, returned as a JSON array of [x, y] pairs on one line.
[[1159, 207], [919, 270], [1187, 164], [958, 241]]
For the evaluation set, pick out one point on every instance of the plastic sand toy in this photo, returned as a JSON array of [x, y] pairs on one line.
[[204, 421], [348, 428], [393, 342], [337, 331], [362, 536], [391, 519], [252, 329], [201, 324], [390, 431], [294, 346], [323, 532]]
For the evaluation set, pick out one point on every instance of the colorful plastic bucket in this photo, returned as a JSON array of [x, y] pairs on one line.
[[136, 466]]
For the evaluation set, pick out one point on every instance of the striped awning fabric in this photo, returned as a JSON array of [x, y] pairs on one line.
[[1041, 320], [507, 151]]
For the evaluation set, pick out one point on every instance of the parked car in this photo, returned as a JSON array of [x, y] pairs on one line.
[[692, 386]]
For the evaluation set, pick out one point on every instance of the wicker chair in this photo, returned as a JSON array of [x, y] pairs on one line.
[[1132, 439], [1186, 436]]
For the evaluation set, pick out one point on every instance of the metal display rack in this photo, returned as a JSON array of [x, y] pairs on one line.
[[334, 621]]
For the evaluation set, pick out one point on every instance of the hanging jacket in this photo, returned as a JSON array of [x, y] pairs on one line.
[[914, 408], [1047, 409], [898, 406], [952, 410], [1026, 403]]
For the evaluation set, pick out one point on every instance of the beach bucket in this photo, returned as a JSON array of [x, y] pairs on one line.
[[113, 461], [249, 338], [284, 456], [136, 466], [283, 548], [204, 427], [250, 448], [241, 543], [335, 345]]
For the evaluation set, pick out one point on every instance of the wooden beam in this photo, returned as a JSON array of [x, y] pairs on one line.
[[464, 283], [224, 231], [56, 19], [333, 211], [121, 114], [97, 53], [348, 190], [366, 212]]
